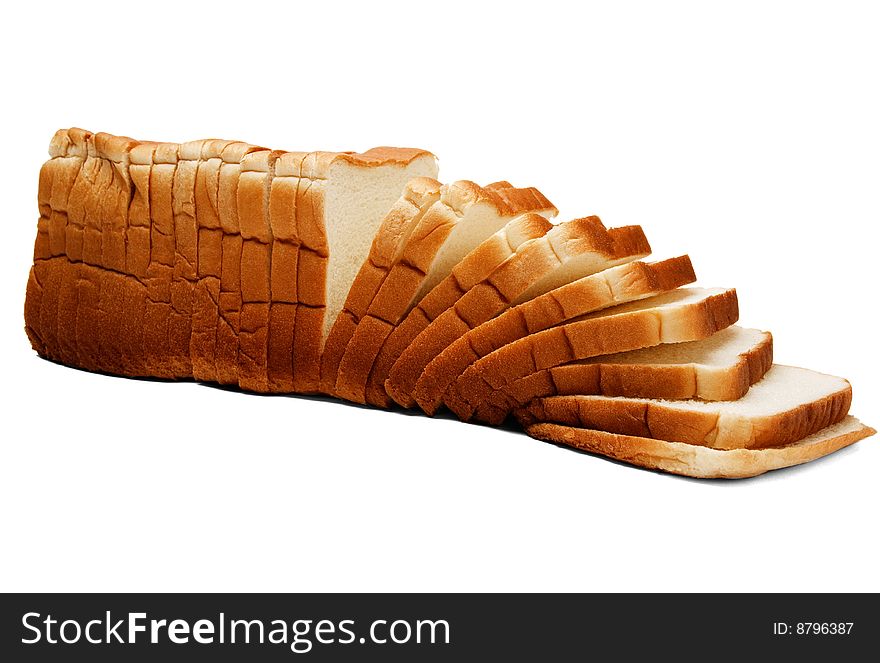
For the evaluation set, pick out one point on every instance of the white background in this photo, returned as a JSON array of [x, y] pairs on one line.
[[747, 136]]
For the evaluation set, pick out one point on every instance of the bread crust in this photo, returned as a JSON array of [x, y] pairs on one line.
[[483, 300], [702, 462], [587, 338], [621, 284], [254, 191]]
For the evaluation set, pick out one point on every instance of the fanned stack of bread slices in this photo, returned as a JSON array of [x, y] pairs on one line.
[[362, 277]]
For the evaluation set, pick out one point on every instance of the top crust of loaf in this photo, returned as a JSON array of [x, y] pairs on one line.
[[519, 200], [384, 156]]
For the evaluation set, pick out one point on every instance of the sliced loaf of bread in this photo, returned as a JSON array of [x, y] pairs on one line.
[[465, 216], [718, 368], [568, 252], [629, 282], [182, 270], [702, 462], [687, 314], [788, 404]]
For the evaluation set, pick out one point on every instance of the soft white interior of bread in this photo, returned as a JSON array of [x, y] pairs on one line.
[[723, 348], [783, 388], [355, 202], [479, 222], [571, 269]]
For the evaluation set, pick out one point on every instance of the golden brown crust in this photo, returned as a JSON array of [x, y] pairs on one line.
[[702, 462], [206, 291], [379, 156], [625, 283], [311, 270], [284, 265], [254, 189], [228, 330]]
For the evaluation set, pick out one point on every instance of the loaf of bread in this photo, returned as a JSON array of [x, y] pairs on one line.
[[212, 260], [362, 276]]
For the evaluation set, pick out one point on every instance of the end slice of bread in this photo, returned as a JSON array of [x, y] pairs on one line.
[[702, 462]]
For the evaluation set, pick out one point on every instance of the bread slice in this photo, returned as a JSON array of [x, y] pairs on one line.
[[229, 306], [568, 252], [787, 404], [284, 268], [418, 196], [111, 313], [206, 291], [158, 162], [681, 315], [474, 268], [617, 285], [702, 462], [185, 271], [465, 216], [718, 368], [43, 324], [140, 255], [254, 192]]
